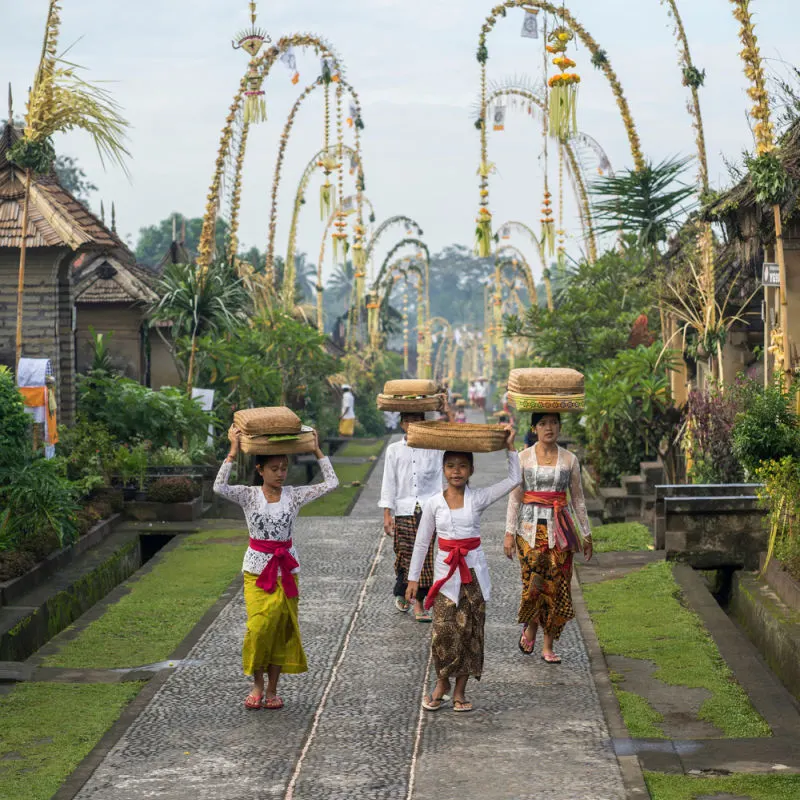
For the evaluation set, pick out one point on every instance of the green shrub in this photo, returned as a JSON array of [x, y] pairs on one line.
[[39, 509], [172, 490], [170, 457], [14, 422], [130, 464], [767, 430], [88, 449], [133, 413], [781, 497]]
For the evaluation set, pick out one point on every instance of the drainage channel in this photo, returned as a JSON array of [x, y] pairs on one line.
[[38, 615]]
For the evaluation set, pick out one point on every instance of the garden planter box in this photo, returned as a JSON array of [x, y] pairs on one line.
[[146, 511], [11, 591]]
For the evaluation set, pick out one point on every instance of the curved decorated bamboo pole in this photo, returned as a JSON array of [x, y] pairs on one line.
[[446, 326], [411, 228], [259, 67], [316, 163], [391, 254], [576, 172], [524, 268], [319, 287]]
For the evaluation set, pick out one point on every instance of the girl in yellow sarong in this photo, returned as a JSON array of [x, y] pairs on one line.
[[272, 643]]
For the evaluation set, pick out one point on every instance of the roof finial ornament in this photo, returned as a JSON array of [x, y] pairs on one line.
[[102, 213], [174, 226], [183, 230], [10, 106], [113, 218]]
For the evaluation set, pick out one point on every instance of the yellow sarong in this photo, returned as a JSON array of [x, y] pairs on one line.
[[273, 632], [347, 427]]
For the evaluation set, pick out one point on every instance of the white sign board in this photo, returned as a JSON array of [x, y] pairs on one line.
[[771, 275]]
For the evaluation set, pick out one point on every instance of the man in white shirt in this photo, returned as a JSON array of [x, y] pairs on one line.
[[411, 476], [347, 420], [482, 393]]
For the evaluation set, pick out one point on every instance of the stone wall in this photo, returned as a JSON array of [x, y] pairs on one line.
[[47, 315], [121, 320]]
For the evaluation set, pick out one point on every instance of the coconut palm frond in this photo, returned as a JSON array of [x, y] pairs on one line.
[[61, 100]]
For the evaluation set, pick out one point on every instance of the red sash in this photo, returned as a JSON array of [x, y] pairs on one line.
[[566, 535], [281, 557], [457, 550]]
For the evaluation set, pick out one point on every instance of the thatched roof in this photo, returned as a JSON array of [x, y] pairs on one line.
[[749, 225], [106, 279], [56, 218]]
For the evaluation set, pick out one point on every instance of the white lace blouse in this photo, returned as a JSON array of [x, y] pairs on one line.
[[274, 521], [565, 476]]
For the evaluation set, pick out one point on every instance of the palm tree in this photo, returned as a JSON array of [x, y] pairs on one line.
[[60, 101], [199, 302], [647, 202], [341, 284], [305, 276]]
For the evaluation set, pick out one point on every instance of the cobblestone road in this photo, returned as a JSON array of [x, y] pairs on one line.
[[352, 726]]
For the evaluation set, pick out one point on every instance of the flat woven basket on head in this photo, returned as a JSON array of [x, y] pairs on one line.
[[410, 405], [461, 403], [277, 421], [410, 388], [546, 381], [461, 437], [547, 403], [457, 396], [278, 445]]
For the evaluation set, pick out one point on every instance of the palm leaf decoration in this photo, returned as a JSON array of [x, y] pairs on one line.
[[60, 100], [648, 202]]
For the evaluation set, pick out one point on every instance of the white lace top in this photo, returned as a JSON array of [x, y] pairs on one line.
[[565, 476], [274, 521]]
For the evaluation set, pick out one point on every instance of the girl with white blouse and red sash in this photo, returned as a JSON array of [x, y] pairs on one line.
[[462, 584], [272, 643]]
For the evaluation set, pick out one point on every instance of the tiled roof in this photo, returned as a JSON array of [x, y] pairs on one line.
[[55, 219]]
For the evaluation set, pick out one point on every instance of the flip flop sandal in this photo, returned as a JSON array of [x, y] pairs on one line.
[[273, 703], [551, 659], [253, 701], [425, 616], [401, 605], [462, 706], [429, 703], [524, 640]]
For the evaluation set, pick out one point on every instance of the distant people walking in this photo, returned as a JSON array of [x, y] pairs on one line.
[[541, 529], [410, 477], [462, 585], [272, 643], [481, 393], [347, 420]]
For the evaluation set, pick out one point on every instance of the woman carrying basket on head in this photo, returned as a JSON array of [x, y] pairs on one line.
[[272, 642], [541, 529], [462, 584]]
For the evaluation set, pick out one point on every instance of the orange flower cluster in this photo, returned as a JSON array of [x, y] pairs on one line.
[[564, 79], [564, 63]]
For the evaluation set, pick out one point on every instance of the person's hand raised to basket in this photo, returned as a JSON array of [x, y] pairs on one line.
[[511, 433], [235, 437], [318, 454]]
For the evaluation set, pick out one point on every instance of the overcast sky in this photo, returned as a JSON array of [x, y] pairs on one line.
[[413, 63]]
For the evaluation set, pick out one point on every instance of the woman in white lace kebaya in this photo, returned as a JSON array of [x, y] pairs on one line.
[[541, 529], [272, 641]]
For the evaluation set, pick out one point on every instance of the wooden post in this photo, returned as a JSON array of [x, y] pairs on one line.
[[23, 252], [784, 308]]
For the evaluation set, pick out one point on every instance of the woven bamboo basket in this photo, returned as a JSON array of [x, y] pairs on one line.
[[410, 388], [303, 442], [546, 390], [461, 437], [460, 403], [275, 421], [547, 403], [457, 396], [410, 405]]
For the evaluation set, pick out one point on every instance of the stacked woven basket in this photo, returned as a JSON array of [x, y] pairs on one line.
[[546, 390], [457, 437], [411, 397], [273, 431]]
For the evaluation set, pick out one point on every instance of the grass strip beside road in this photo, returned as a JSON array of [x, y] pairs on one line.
[[357, 449], [338, 501], [621, 537], [47, 729], [641, 616], [163, 605], [641, 719], [757, 787]]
